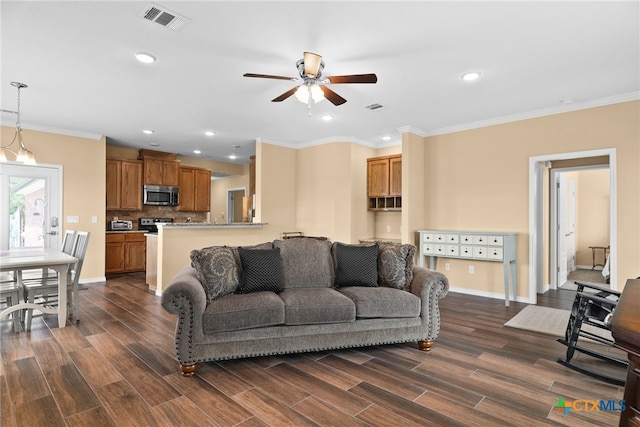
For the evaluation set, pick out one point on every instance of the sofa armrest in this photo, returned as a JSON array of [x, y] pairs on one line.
[[185, 297], [429, 286]]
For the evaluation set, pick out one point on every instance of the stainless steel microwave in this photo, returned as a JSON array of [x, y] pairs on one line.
[[160, 195]]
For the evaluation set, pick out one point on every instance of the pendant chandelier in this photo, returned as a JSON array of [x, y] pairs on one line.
[[23, 155]]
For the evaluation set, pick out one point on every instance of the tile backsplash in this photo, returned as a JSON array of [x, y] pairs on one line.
[[155, 212]]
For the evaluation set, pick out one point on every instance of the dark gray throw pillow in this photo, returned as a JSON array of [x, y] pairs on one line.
[[356, 265], [261, 270], [217, 270]]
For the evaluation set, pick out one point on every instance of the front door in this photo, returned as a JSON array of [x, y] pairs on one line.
[[31, 200]]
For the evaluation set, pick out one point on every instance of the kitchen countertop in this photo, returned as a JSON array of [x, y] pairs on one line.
[[213, 225], [126, 231]]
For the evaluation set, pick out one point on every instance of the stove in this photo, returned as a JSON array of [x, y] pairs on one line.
[[149, 224]]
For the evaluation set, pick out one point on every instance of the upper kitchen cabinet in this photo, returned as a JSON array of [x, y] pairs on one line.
[[124, 185], [159, 168], [384, 183], [195, 189]]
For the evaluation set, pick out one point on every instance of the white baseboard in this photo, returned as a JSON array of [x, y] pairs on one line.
[[486, 294], [93, 280]]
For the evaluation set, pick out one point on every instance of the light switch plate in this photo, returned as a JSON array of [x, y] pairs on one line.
[[73, 219]]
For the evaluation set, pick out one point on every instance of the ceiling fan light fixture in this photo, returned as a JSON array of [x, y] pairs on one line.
[[316, 93], [302, 94]]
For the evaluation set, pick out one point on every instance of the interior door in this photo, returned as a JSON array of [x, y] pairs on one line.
[[562, 229], [31, 200]]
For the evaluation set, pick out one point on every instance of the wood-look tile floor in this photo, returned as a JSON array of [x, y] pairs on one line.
[[116, 367]]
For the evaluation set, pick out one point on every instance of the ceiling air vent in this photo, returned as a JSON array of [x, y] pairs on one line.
[[164, 17], [374, 107]]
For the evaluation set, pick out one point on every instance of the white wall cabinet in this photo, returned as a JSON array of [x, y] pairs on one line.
[[475, 245]]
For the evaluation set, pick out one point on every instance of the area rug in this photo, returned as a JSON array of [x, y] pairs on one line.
[[551, 321]]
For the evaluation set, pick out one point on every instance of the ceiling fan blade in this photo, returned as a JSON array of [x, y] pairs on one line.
[[285, 95], [267, 76], [312, 63], [353, 78], [333, 97]]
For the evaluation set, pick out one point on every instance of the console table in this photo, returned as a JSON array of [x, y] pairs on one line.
[[475, 245], [625, 328]]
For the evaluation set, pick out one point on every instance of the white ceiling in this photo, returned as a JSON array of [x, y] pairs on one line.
[[77, 58]]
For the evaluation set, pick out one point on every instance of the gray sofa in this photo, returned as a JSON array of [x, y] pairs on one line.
[[300, 295]]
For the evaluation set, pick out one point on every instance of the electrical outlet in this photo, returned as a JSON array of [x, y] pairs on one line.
[[472, 269], [388, 228], [94, 219], [447, 267]]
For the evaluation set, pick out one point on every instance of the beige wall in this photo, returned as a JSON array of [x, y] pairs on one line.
[[478, 180], [592, 214], [83, 164]]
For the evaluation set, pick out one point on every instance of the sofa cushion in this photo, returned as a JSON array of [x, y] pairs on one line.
[[356, 265], [235, 311], [306, 262], [217, 270], [395, 265], [382, 302], [303, 306], [265, 245]]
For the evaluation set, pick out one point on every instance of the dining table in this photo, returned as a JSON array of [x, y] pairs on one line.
[[20, 259]]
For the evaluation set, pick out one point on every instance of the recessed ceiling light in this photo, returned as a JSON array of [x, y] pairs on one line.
[[209, 133], [197, 151], [327, 118], [567, 101], [154, 144], [386, 138], [233, 157], [145, 58], [469, 77], [147, 131]]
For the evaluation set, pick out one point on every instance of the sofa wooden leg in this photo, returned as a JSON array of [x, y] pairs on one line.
[[188, 369], [425, 345]]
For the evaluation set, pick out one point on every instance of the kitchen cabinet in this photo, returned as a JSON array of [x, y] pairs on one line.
[[195, 189], [124, 184], [125, 252], [159, 168], [160, 172], [384, 183]]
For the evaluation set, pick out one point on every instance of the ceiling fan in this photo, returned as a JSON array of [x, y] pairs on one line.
[[313, 84]]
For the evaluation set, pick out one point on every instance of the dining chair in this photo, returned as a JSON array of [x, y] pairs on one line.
[[68, 243], [10, 294], [47, 289]]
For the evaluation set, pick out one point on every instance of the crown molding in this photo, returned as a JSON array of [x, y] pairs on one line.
[[51, 129], [600, 102], [412, 129]]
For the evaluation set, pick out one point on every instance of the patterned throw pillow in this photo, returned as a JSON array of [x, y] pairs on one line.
[[217, 270], [261, 270], [395, 265], [356, 265]]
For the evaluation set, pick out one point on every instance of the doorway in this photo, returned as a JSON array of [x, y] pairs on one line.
[[31, 197], [539, 242], [234, 204]]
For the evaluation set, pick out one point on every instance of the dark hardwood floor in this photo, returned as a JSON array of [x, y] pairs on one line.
[[116, 367]]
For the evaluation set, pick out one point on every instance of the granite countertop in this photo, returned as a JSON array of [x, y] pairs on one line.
[[126, 231], [212, 225]]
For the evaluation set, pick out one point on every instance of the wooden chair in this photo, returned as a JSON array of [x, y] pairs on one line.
[[47, 289], [595, 310], [68, 243], [10, 294]]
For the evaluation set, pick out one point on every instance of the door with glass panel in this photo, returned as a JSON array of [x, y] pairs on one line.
[[31, 206]]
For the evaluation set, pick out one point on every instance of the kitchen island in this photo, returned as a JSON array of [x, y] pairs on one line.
[[169, 250]]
